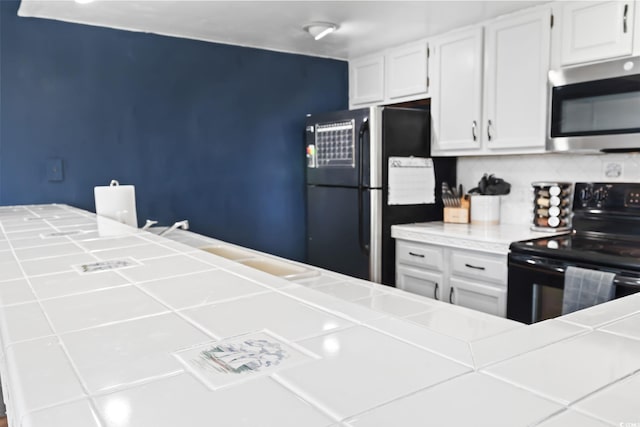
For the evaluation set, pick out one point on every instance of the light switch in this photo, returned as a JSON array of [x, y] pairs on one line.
[[54, 170]]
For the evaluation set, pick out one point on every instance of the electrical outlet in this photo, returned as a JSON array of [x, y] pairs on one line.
[[54, 170], [612, 170]]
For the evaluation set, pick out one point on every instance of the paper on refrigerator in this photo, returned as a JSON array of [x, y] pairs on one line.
[[412, 181]]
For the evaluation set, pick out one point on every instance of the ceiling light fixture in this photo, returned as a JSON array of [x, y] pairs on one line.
[[320, 29], [83, 1]]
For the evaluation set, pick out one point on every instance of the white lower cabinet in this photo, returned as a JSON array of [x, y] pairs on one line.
[[419, 281], [468, 278], [478, 296]]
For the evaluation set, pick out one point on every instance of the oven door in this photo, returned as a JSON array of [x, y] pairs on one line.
[[535, 286], [595, 107]]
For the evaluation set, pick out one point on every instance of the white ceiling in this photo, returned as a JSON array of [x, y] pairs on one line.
[[364, 26]]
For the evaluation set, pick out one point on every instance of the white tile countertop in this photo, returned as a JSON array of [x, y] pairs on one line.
[[103, 325], [488, 238]]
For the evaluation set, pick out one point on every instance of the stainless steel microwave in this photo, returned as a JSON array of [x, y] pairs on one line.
[[595, 107]]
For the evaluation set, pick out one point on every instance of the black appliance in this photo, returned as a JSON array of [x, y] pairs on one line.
[[605, 237], [348, 216]]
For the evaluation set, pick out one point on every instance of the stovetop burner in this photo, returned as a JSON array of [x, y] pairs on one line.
[[609, 245]]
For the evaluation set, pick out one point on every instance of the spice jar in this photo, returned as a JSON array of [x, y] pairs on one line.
[[552, 206]]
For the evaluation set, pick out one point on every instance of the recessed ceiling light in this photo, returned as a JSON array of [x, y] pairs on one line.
[[84, 1], [320, 29]]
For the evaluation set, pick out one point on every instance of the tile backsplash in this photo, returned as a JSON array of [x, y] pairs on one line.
[[521, 171]]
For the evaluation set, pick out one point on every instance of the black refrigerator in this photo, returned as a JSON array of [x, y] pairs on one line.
[[348, 214]]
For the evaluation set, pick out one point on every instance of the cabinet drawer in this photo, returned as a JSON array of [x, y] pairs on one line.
[[479, 266], [419, 255], [421, 282]]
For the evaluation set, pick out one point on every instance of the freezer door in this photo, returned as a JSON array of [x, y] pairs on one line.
[[337, 147], [338, 229]]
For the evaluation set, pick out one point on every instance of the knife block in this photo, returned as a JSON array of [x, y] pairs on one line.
[[458, 215]]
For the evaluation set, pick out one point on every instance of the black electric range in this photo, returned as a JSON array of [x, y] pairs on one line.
[[605, 237]]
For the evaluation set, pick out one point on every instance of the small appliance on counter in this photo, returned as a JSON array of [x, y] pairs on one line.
[[552, 206]]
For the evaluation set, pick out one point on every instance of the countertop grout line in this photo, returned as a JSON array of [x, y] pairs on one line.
[[349, 418], [601, 389], [60, 342], [429, 350], [528, 390], [519, 354]]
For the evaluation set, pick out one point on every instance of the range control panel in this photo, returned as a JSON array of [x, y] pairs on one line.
[[619, 196], [633, 198]]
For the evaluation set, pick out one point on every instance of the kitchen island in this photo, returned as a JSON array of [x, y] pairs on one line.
[[106, 325]]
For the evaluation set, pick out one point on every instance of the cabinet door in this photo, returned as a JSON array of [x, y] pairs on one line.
[[420, 282], [596, 30], [477, 296], [517, 52], [366, 80], [457, 92], [407, 71]]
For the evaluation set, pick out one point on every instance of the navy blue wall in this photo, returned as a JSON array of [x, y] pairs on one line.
[[207, 132]]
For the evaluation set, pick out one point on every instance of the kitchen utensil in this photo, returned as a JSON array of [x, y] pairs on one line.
[[490, 185], [448, 197]]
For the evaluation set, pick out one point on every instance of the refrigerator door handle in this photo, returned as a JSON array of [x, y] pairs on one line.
[[364, 127]]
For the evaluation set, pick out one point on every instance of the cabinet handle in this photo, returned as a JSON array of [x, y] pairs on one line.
[[473, 130], [451, 295], [474, 266], [489, 130], [415, 254], [435, 291], [624, 18]]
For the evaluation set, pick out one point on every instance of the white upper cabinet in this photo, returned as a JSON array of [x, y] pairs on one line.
[[502, 110], [366, 80], [517, 52], [456, 104], [407, 71], [399, 74], [592, 31]]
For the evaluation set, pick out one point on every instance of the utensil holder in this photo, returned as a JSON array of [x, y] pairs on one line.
[[458, 215], [485, 209], [552, 206]]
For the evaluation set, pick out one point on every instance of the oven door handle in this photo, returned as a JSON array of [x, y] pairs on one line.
[[620, 280], [630, 282]]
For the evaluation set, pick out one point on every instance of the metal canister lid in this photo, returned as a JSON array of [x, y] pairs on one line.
[[554, 221]]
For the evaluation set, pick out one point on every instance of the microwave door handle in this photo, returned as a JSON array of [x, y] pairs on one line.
[[624, 18], [364, 127]]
